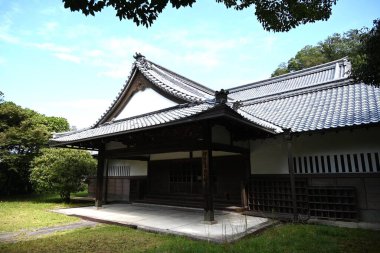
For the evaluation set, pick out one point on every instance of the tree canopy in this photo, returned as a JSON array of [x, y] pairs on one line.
[[274, 15], [62, 171], [362, 47], [366, 65], [334, 47], [23, 132]]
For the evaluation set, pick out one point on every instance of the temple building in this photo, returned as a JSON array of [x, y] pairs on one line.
[[304, 144]]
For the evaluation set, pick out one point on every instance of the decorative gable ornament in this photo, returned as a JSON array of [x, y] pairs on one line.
[[221, 96]]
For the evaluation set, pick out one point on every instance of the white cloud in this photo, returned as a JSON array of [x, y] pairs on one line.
[[52, 47], [6, 22], [48, 11], [68, 57], [6, 37], [94, 53], [48, 28], [80, 113]]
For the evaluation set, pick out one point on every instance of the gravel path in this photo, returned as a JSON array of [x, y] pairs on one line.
[[27, 234]]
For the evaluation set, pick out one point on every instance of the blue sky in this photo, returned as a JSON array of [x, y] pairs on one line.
[[64, 64]]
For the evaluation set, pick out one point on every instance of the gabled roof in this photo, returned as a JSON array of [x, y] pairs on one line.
[[164, 80], [317, 98], [314, 76], [321, 97]]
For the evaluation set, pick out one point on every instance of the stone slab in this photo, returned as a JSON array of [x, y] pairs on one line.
[[187, 222]]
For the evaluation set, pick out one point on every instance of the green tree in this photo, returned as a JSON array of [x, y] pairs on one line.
[[274, 15], [23, 132], [62, 171], [333, 48], [366, 64]]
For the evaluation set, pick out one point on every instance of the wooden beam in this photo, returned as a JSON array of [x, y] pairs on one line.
[[229, 148], [100, 177], [288, 138]]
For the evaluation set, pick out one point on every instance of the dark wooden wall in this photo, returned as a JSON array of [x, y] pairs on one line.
[[334, 196], [229, 172], [123, 189]]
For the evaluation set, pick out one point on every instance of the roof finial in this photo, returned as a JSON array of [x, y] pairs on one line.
[[221, 96], [138, 56], [236, 105]]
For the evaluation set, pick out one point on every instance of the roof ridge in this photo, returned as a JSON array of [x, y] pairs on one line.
[[264, 120], [300, 91], [118, 96], [190, 82], [287, 76], [183, 95]]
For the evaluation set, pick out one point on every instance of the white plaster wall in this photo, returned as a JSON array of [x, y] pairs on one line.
[[145, 101], [269, 156], [137, 168], [355, 141]]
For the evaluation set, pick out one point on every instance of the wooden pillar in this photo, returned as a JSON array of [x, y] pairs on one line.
[[106, 183], [288, 137], [100, 177], [207, 184], [245, 185]]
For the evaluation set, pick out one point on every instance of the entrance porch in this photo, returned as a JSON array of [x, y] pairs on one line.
[[174, 220]]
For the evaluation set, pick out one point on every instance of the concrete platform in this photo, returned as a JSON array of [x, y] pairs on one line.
[[174, 220]]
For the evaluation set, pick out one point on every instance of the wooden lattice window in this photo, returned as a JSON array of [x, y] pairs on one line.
[[337, 163]]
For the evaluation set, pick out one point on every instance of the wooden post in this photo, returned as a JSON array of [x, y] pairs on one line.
[[207, 184], [106, 183], [245, 185], [100, 177], [288, 137]]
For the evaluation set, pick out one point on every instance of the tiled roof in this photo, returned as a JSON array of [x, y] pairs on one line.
[[317, 98], [162, 117], [139, 122], [173, 83], [332, 71], [342, 105], [164, 79]]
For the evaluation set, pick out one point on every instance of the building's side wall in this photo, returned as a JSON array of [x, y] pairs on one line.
[[269, 156], [348, 158]]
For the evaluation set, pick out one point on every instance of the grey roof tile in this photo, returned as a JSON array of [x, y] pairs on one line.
[[301, 79], [331, 107], [138, 122], [317, 98]]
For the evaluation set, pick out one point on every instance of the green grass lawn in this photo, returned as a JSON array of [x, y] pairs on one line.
[[31, 212], [107, 238], [284, 238]]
